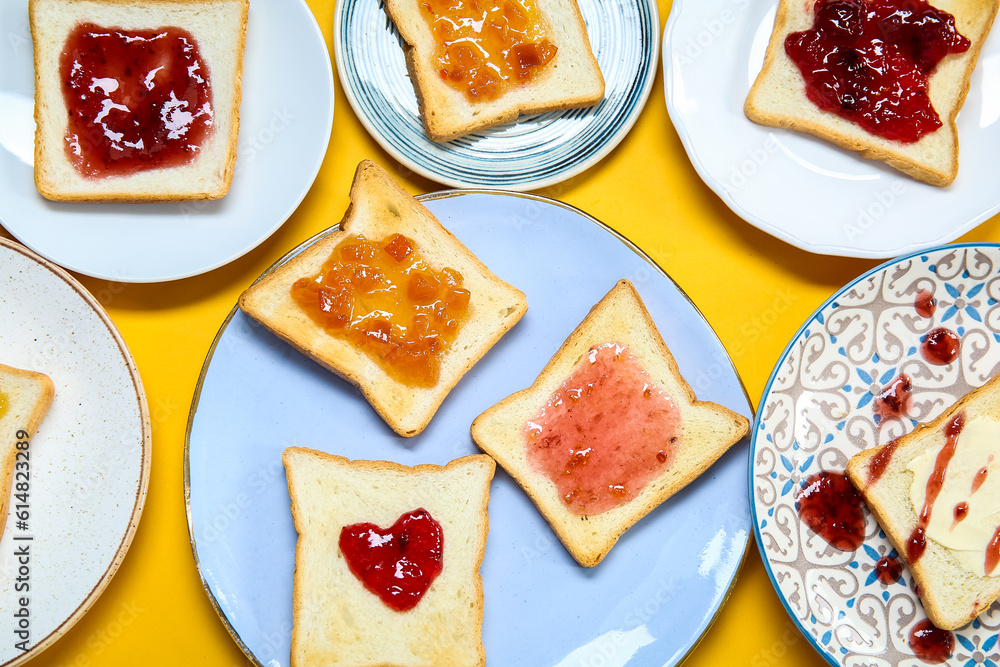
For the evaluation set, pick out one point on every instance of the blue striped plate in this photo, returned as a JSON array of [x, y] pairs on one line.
[[531, 153]]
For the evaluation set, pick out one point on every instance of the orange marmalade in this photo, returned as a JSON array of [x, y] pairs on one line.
[[385, 299], [4, 404], [486, 47]]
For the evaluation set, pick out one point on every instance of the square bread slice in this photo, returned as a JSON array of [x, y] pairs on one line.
[[778, 97], [888, 475], [337, 620], [25, 397], [379, 207], [706, 430], [572, 79], [218, 27]]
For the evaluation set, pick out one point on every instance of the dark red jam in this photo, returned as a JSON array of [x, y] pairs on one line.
[[868, 61], [397, 564], [878, 463], [895, 399], [888, 570], [930, 643], [993, 552], [940, 346], [917, 542], [959, 513], [137, 99], [925, 303], [981, 475], [830, 505]]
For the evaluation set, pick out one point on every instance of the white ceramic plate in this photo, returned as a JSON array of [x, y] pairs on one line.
[[89, 460], [647, 603], [285, 122], [817, 412], [804, 190], [534, 152]]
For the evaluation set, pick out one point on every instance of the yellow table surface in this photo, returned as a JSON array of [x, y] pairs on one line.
[[155, 611]]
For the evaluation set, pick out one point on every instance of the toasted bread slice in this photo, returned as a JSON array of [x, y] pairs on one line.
[[706, 430], [218, 27], [778, 96], [887, 475], [380, 207], [572, 79], [337, 620], [25, 397]]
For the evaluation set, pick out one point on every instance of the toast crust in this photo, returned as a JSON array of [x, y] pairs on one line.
[[571, 80], [707, 429], [339, 623], [951, 595], [379, 207], [210, 175], [29, 396], [777, 97]]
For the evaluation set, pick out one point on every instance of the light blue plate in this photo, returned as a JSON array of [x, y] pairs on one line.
[[647, 603], [531, 153]]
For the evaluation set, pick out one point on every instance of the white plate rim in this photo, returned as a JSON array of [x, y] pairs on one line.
[[443, 194], [608, 143], [147, 438], [315, 33], [762, 223]]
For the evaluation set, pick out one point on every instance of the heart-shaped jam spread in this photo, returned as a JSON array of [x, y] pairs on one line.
[[137, 99], [399, 563]]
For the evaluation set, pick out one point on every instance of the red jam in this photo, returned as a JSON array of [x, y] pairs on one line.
[[981, 475], [895, 399], [868, 61], [831, 506], [940, 346], [385, 299], [397, 564], [888, 570], [993, 552], [959, 513], [605, 433], [925, 303], [917, 542], [137, 99], [484, 48], [930, 643], [878, 463]]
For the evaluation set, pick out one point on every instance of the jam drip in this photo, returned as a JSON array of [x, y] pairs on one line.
[[895, 399], [387, 300], [137, 99], [868, 61], [831, 506], [930, 643], [397, 564], [878, 463], [917, 542], [925, 303], [605, 433], [940, 346], [888, 570], [486, 47]]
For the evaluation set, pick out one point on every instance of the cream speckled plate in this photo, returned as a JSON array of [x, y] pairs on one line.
[[89, 460]]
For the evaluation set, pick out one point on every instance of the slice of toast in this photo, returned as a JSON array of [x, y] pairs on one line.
[[219, 29], [337, 621], [572, 79], [706, 430], [25, 397], [380, 207], [778, 97], [886, 475]]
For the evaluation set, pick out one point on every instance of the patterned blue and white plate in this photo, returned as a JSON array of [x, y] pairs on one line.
[[816, 412], [534, 152]]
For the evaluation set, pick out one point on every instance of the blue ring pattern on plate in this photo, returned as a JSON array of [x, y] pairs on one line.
[[826, 377], [534, 152]]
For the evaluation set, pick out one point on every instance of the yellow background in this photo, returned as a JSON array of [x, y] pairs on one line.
[[155, 611]]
